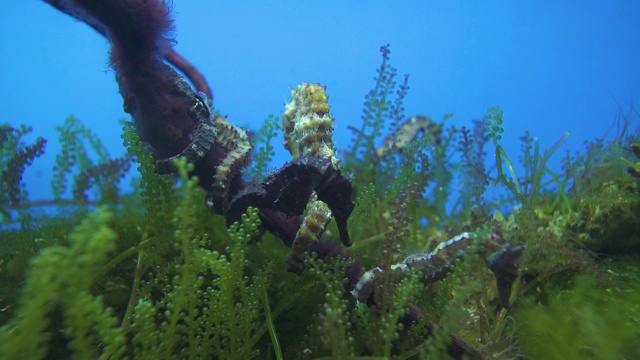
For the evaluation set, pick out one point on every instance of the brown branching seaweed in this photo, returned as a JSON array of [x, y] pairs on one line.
[[106, 175], [16, 156], [84, 161]]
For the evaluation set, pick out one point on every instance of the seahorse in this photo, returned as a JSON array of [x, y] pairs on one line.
[[500, 256], [170, 116]]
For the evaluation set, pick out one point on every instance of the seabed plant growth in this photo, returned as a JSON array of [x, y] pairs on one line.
[[386, 259]]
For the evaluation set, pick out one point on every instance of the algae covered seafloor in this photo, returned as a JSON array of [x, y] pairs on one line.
[[152, 273]]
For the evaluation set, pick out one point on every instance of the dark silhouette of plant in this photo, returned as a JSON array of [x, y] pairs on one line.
[[15, 157], [105, 176], [471, 145], [84, 158]]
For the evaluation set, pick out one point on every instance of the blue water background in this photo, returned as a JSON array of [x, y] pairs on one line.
[[552, 66]]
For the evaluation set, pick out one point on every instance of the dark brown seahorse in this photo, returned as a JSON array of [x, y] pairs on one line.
[[176, 121], [500, 256]]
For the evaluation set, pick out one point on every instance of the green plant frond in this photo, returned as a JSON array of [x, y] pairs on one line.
[[159, 276], [60, 282], [264, 147]]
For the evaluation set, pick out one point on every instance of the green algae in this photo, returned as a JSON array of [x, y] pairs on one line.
[[156, 275]]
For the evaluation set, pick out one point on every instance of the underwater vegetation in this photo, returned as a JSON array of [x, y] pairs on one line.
[[390, 247]]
